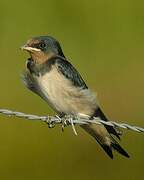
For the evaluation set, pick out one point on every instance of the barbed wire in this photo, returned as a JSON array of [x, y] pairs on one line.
[[69, 120]]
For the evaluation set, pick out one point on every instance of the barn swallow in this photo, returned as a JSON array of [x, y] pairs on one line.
[[51, 76]]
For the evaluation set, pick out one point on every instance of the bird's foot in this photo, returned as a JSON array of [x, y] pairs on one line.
[[63, 121], [68, 120], [50, 123]]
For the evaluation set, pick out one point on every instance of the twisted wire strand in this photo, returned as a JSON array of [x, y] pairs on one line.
[[69, 120]]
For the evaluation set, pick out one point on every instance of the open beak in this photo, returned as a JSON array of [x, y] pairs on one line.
[[29, 49]]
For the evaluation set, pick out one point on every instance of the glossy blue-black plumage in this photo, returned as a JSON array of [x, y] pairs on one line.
[[64, 67], [68, 70], [49, 45]]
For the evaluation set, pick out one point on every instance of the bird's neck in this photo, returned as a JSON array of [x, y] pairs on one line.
[[41, 58]]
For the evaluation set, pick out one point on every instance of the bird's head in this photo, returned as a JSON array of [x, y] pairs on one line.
[[43, 48]]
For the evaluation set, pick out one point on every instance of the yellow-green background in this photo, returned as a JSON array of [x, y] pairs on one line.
[[105, 40]]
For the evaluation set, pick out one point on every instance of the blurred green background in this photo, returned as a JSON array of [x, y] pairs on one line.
[[105, 40]]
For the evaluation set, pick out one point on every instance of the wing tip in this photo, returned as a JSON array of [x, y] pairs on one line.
[[119, 149], [108, 150]]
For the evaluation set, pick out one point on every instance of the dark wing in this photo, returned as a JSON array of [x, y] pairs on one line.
[[110, 129], [71, 73]]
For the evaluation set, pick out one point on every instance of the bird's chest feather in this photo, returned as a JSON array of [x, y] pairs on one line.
[[56, 88], [63, 96]]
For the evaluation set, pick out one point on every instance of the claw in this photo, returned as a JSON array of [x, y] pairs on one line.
[[68, 120], [63, 121], [51, 124]]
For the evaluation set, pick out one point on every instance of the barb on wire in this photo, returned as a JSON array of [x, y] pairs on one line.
[[69, 120]]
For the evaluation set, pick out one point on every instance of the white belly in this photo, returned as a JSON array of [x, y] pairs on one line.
[[64, 97]]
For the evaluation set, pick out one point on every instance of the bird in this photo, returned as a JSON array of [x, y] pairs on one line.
[[50, 75]]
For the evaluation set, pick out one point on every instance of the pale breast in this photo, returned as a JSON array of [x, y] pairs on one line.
[[64, 97]]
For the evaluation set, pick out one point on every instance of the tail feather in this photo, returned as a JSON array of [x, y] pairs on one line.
[[106, 148], [113, 146], [118, 148], [103, 135], [106, 141], [111, 130]]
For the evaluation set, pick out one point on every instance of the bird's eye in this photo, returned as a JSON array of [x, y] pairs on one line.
[[42, 45]]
